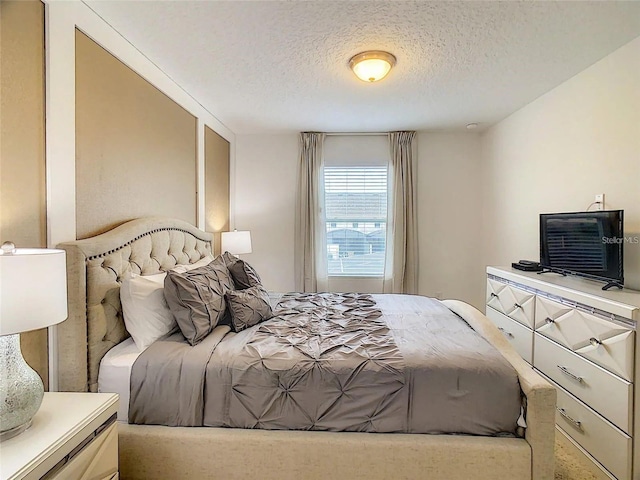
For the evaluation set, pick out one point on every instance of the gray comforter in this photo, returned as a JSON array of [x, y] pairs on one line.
[[350, 362]]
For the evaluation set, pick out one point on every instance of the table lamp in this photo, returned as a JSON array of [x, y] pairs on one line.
[[236, 242], [33, 295]]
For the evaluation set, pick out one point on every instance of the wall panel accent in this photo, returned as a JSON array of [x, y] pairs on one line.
[[135, 147], [216, 171], [22, 157]]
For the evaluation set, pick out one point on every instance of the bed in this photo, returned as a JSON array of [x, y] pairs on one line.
[[97, 265]]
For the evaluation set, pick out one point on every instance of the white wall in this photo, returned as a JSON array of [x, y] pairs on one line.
[[449, 217], [449, 212], [479, 196], [265, 193], [266, 184], [555, 154]]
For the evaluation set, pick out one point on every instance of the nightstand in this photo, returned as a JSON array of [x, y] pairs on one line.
[[73, 436]]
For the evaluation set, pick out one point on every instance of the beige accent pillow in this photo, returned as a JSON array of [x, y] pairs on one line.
[[196, 298], [248, 307]]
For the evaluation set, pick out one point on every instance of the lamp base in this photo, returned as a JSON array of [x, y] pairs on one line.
[[13, 432], [21, 389]]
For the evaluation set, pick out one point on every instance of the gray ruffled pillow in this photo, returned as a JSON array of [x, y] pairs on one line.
[[248, 307], [196, 298], [244, 275]]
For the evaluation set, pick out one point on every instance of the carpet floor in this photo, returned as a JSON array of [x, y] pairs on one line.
[[572, 465]]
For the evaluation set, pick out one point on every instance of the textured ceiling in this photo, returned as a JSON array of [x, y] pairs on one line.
[[272, 66]]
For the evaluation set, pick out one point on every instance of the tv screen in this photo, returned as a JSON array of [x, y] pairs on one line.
[[588, 244]]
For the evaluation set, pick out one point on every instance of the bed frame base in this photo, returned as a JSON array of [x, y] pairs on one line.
[[229, 454], [147, 246]]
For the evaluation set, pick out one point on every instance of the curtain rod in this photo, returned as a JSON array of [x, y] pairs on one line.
[[358, 134]]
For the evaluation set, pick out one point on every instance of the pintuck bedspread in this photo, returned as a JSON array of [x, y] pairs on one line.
[[333, 362]]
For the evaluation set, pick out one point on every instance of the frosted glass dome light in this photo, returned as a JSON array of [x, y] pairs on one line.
[[372, 66]]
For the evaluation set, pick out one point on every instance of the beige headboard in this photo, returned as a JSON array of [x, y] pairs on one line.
[[95, 268]]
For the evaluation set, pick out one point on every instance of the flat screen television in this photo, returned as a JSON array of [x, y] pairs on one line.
[[587, 244]]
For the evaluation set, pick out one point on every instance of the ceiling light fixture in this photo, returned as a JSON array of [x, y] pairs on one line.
[[372, 65]]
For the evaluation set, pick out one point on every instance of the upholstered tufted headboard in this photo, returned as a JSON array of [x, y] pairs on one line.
[[95, 268]]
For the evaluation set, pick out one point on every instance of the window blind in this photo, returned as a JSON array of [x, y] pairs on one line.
[[356, 220]]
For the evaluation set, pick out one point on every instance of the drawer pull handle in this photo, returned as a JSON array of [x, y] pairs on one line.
[[506, 334], [493, 295], [566, 371], [577, 424], [595, 342], [549, 320], [517, 305]]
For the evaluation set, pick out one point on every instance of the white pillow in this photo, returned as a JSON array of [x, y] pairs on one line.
[[200, 263], [145, 310]]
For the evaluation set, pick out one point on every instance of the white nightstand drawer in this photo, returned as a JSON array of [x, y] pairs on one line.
[[513, 302], [608, 394], [98, 460], [606, 343], [68, 427], [518, 335], [606, 443]]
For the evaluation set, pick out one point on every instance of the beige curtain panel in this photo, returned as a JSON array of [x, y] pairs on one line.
[[401, 262], [310, 241]]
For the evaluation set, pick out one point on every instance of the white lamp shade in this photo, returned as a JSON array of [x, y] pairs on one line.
[[236, 242], [33, 289]]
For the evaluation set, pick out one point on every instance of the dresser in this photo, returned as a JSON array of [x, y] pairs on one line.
[[73, 436], [583, 340]]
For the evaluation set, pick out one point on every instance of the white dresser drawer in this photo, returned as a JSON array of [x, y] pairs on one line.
[[518, 335], [606, 343], [513, 302], [608, 394], [606, 443]]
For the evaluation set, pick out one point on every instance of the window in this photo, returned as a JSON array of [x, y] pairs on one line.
[[356, 220]]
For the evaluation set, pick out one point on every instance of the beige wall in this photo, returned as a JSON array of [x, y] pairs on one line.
[[22, 159], [555, 154], [22, 117], [216, 196], [135, 147]]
